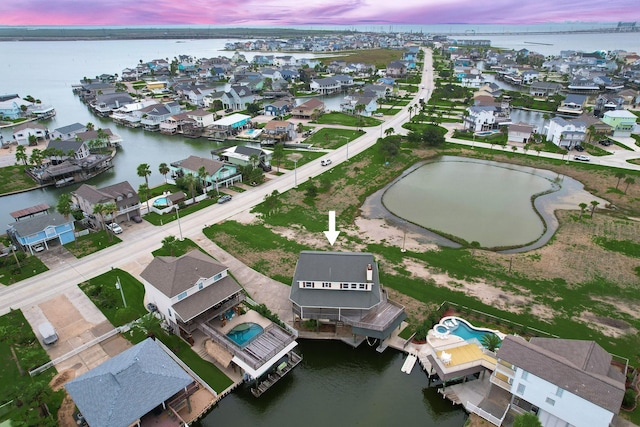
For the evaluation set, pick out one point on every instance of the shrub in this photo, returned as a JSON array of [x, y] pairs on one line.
[[629, 399]]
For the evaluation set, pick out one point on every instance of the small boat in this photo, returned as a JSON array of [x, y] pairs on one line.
[[64, 181]]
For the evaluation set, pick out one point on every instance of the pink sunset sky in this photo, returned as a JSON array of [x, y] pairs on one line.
[[311, 12]]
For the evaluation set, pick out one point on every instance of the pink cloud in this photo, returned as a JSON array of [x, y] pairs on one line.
[[316, 12]]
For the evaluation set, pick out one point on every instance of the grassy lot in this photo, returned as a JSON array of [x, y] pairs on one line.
[[332, 138], [378, 57], [13, 178], [10, 272], [336, 118], [301, 158], [573, 287], [20, 351], [92, 242], [101, 290], [180, 248]]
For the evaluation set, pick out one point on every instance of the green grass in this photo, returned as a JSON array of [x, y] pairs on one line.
[[16, 334], [157, 219], [103, 293], [10, 273], [181, 248], [91, 243], [625, 247], [336, 118], [13, 178], [332, 138]]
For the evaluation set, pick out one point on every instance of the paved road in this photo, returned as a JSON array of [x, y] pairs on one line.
[[140, 239]]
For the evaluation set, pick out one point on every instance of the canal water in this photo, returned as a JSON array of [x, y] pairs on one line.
[[336, 385]]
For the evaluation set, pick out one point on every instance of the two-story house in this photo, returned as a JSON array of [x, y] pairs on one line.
[[564, 382], [622, 122], [572, 104], [68, 149], [279, 130], [217, 173], [23, 132], [278, 108], [242, 155], [237, 98], [344, 287], [483, 118], [121, 194], [309, 109], [565, 133], [153, 115], [42, 231]]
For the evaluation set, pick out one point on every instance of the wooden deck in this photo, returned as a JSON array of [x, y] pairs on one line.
[[466, 354], [274, 377]]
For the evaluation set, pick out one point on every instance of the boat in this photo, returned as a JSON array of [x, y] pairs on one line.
[[64, 181]]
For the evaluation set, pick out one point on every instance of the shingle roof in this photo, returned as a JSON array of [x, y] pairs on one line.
[[580, 367], [193, 163], [347, 267], [127, 386], [171, 275], [27, 227]]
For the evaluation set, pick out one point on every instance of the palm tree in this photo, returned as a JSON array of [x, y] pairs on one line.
[[36, 157], [254, 159], [21, 154], [164, 170], [64, 208], [583, 207], [202, 174], [594, 203], [144, 171], [98, 209], [190, 181], [389, 131], [410, 111], [144, 189], [491, 341], [300, 128], [619, 175], [278, 154], [90, 126], [628, 181], [170, 243]]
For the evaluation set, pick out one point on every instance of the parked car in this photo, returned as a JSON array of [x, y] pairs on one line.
[[48, 332], [582, 158], [325, 162], [38, 248], [579, 148], [224, 199], [115, 228], [136, 219], [605, 142]]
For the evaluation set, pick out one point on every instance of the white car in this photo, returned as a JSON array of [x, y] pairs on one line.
[[115, 228], [326, 162], [582, 158]]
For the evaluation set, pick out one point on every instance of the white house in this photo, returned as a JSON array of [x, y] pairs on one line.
[[519, 132], [480, 118], [22, 133], [564, 382], [565, 133], [183, 288]]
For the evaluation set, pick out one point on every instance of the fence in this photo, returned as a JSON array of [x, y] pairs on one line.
[[487, 416]]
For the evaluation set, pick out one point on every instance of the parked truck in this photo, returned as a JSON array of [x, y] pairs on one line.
[[48, 332]]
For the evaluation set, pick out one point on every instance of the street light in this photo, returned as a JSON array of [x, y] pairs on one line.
[[178, 216], [119, 286], [347, 150], [295, 173]]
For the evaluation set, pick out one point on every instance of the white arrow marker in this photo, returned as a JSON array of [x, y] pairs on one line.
[[332, 234]]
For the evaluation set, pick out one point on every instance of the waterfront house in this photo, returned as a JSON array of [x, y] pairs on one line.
[[622, 122], [122, 194], [278, 108], [229, 126], [131, 114], [237, 98], [217, 173], [68, 131], [23, 132], [350, 102], [10, 106], [396, 69], [519, 132], [42, 231], [67, 149], [178, 123], [565, 133], [344, 288], [195, 294], [100, 138], [241, 156], [123, 389], [326, 85], [572, 104], [563, 382], [607, 102], [543, 89], [309, 109], [153, 115], [279, 130], [486, 118], [105, 105]]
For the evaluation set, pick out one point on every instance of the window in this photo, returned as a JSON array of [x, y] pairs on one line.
[[308, 284], [525, 375], [326, 284], [550, 401], [363, 286], [559, 392], [200, 285], [521, 389], [344, 286], [182, 296], [217, 277]]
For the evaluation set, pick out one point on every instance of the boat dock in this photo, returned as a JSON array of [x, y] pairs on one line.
[[407, 367], [275, 376]]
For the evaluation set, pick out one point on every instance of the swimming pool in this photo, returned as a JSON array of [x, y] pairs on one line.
[[160, 202], [244, 333], [461, 328]]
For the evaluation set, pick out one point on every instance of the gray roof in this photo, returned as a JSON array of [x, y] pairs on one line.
[[347, 267], [127, 386], [248, 151], [110, 193], [193, 163], [206, 298], [172, 276], [27, 227], [65, 145], [75, 127], [580, 367]]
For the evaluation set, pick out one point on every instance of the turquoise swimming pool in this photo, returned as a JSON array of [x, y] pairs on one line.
[[460, 328], [244, 333], [161, 202]]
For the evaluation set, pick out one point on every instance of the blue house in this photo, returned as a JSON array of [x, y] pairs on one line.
[[42, 231], [277, 108]]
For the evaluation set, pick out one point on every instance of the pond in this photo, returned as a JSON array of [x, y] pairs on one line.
[[483, 201]]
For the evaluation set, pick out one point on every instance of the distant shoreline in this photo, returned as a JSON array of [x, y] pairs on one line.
[[172, 33]]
